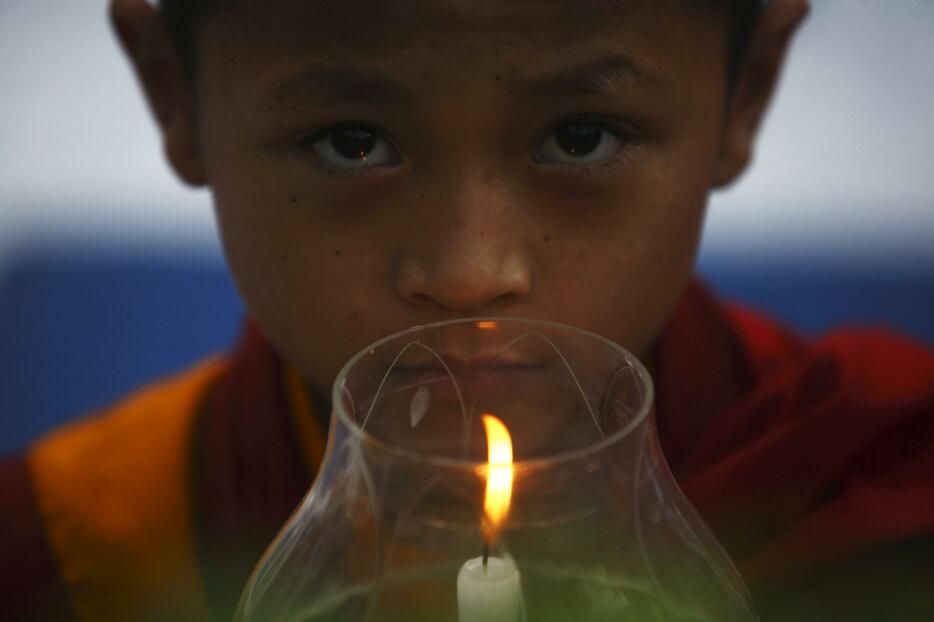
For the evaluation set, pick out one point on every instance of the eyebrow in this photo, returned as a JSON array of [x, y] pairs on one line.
[[317, 84], [601, 76]]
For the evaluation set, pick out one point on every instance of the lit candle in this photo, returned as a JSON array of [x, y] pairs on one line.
[[488, 588]]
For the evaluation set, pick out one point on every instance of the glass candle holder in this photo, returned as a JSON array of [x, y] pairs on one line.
[[419, 512]]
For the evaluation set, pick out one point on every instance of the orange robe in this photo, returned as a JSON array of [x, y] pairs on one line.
[[812, 461]]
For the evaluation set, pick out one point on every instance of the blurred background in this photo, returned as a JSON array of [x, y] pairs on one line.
[[111, 273]]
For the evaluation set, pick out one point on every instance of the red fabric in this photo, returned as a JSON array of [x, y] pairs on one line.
[[249, 472], [830, 452], [816, 465], [30, 585]]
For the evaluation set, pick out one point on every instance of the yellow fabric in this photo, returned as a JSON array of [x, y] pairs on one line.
[[113, 490]]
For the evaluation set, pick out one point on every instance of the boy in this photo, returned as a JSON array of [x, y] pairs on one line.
[[385, 164]]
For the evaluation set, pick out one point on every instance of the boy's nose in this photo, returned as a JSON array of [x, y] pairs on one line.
[[467, 255]]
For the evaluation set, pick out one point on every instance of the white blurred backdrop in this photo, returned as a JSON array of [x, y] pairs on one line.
[[845, 165]]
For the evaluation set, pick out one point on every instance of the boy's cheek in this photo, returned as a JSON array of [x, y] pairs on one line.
[[627, 301], [319, 305]]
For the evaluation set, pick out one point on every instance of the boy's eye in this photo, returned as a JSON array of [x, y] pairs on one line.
[[579, 142], [352, 147]]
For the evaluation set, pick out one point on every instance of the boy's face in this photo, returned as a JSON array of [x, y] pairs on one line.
[[532, 158]]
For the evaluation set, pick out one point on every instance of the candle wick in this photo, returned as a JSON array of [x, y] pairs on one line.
[[486, 555]]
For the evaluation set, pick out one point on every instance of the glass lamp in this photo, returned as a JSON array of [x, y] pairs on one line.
[[494, 470]]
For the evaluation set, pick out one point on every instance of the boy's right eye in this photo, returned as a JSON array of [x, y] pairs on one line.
[[351, 147]]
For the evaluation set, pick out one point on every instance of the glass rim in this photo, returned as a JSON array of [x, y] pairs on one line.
[[520, 465]]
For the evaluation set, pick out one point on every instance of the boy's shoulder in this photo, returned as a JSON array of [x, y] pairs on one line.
[[874, 363], [819, 476], [744, 373], [99, 508], [161, 504]]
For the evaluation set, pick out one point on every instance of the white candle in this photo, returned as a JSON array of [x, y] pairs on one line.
[[489, 594]]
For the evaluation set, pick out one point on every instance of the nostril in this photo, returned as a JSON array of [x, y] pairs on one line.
[[462, 279], [504, 300]]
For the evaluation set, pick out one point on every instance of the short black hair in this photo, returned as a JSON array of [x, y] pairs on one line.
[[184, 18]]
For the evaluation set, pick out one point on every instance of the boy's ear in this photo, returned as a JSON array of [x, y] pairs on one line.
[[754, 85], [145, 39]]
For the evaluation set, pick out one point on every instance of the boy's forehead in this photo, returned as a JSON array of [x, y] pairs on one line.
[[391, 31], [397, 20]]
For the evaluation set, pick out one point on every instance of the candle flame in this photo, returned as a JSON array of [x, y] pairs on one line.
[[499, 473], [486, 325]]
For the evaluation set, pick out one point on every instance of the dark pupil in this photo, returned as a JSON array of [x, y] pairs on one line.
[[578, 138], [353, 143]]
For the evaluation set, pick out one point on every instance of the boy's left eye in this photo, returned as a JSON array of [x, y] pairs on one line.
[[351, 147], [579, 142]]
